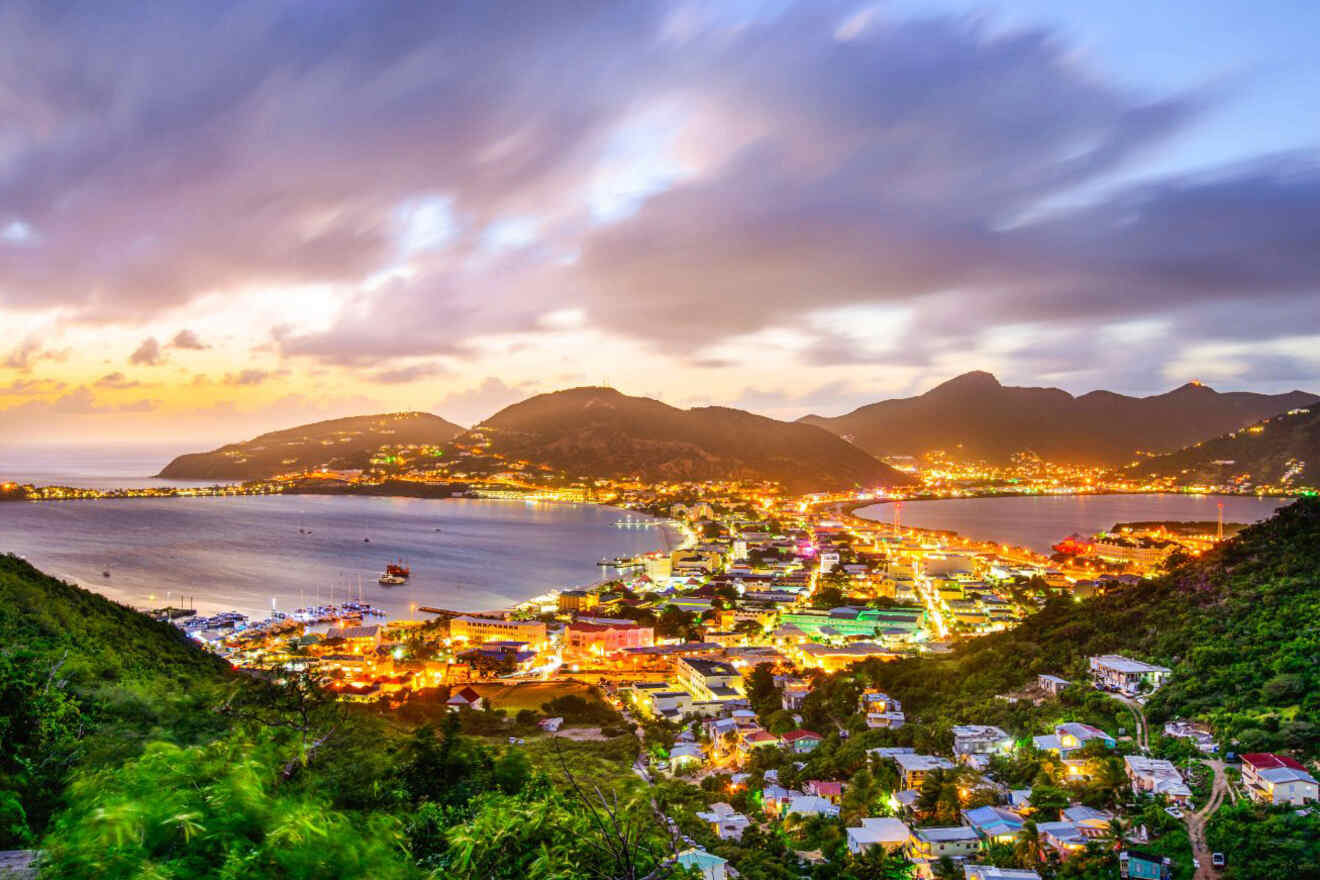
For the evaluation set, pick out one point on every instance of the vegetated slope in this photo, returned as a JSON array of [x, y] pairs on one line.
[[1240, 627], [336, 444], [975, 416], [1280, 451], [83, 680], [598, 432]]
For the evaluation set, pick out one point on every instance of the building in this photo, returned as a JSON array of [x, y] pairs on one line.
[[1070, 737], [980, 739], [990, 872], [1277, 779], [602, 637], [709, 680], [725, 821], [1114, 672], [933, 844], [357, 639], [1138, 865], [708, 865], [832, 658], [657, 567], [1051, 684], [1065, 838], [1157, 777], [575, 601], [479, 630], [892, 834], [809, 805], [994, 824], [1199, 735], [466, 698], [913, 768], [801, 741]]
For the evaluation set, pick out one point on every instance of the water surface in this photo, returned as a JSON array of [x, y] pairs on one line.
[[1039, 521], [241, 553]]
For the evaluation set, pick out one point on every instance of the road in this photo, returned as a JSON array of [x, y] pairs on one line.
[[1196, 822], [1142, 734]]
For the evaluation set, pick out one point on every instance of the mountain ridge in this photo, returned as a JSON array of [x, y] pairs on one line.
[[992, 421], [600, 432]]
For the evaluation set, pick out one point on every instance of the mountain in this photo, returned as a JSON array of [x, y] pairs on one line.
[[336, 444], [599, 432], [980, 418], [1279, 451]]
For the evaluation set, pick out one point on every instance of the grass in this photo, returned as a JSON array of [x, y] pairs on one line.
[[530, 694]]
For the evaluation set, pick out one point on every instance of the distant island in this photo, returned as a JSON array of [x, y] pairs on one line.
[[338, 444]]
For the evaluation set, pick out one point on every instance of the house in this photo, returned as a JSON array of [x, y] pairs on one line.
[[725, 821], [1070, 737], [1156, 776], [794, 694], [756, 739], [551, 725], [1088, 817], [994, 824], [1200, 736], [990, 872], [709, 680], [479, 630], [774, 798], [1277, 779], [685, 756], [587, 637], [809, 805], [801, 741], [357, 638], [1065, 838], [913, 768], [577, 600], [1052, 684], [1144, 866], [933, 844], [883, 831], [1115, 672], [708, 865], [979, 739], [467, 698], [831, 791]]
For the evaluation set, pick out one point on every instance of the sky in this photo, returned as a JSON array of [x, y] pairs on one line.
[[223, 218]]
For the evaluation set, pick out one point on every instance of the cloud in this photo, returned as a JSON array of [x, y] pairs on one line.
[[116, 381], [411, 373], [29, 352], [30, 387], [187, 339], [147, 354], [247, 377], [650, 171]]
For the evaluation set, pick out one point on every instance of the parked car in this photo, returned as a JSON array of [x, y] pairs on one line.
[[1218, 860]]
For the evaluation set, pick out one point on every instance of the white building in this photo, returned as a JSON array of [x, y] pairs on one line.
[[883, 831], [1157, 776], [1118, 673]]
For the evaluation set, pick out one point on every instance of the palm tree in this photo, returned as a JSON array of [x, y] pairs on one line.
[[1027, 846]]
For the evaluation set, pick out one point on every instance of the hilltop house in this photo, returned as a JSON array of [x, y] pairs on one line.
[[1136, 865], [979, 739], [990, 872], [1114, 672], [1157, 776], [933, 844], [466, 698], [725, 821], [1070, 737], [801, 741], [708, 865], [1277, 779], [913, 768]]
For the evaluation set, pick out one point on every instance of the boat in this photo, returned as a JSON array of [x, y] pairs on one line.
[[391, 580], [398, 569]]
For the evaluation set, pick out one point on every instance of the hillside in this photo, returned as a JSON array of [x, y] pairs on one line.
[[83, 680], [336, 444], [598, 432], [1279, 451], [977, 417], [1240, 627]]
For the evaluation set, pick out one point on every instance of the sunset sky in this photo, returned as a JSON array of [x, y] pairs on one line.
[[238, 216]]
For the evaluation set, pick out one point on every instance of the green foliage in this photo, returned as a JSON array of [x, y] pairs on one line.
[[1262, 843], [213, 811]]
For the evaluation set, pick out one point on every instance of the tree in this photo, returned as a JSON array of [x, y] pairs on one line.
[[294, 700], [1026, 848]]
